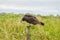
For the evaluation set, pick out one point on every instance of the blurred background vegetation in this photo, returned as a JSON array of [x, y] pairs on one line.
[[12, 29]]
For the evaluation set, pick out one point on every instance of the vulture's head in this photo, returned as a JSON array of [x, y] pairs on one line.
[[32, 20]]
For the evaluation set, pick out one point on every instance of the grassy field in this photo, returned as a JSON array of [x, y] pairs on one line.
[[12, 29]]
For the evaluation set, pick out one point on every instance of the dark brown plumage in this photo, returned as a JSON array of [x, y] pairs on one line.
[[31, 19]]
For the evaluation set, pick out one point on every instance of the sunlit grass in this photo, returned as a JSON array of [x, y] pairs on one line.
[[12, 29]]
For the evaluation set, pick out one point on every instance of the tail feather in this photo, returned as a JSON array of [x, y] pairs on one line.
[[41, 23]]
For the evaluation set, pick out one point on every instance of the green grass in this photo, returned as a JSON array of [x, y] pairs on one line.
[[12, 29]]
